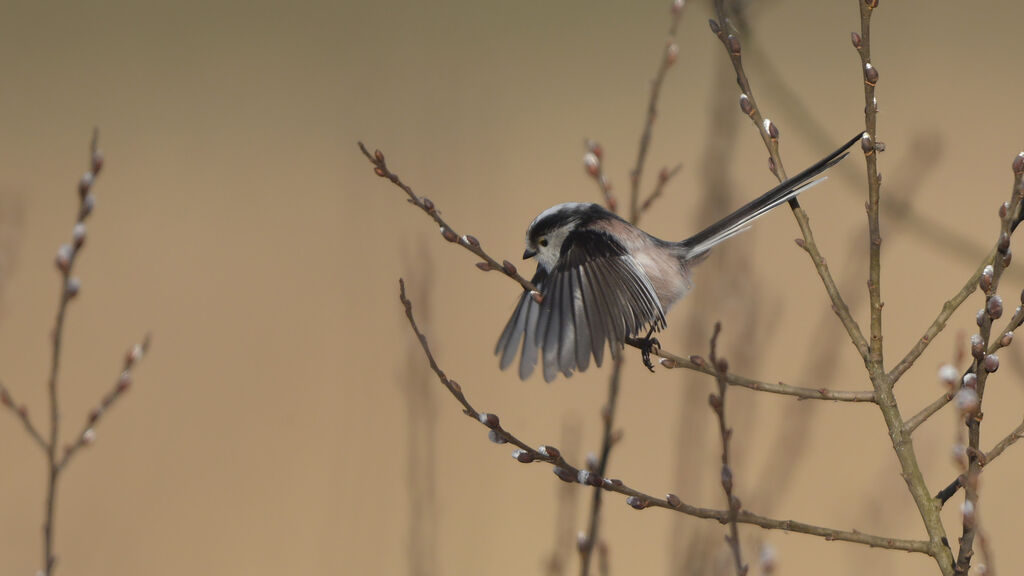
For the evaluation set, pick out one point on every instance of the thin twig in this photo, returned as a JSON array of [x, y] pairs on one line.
[[697, 364], [664, 176], [607, 441], [121, 385], [21, 411], [985, 362], [769, 135], [667, 59], [1007, 441], [594, 166], [468, 242], [66, 257], [718, 405], [635, 498]]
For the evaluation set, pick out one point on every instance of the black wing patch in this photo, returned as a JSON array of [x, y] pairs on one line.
[[596, 296]]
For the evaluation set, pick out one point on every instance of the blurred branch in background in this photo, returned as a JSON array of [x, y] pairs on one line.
[[421, 433], [57, 460], [593, 163]]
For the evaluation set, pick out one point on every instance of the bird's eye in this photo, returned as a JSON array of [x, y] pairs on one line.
[[543, 242]]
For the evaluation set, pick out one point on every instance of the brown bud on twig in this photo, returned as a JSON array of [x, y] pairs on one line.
[[124, 382], [977, 347], [537, 296], [699, 361], [674, 501], [985, 281], [668, 363], [994, 307], [595, 147], [97, 162], [1007, 258], [72, 287], [1018, 163], [588, 478], [1004, 243], [485, 266], [971, 381], [722, 366], [771, 129], [671, 53], [378, 156], [88, 203], [85, 184], [715, 28], [64, 255], [564, 474], [727, 478], [94, 415], [489, 420], [522, 455], [549, 452], [428, 205], [495, 437], [870, 74], [745, 105], [855, 38], [449, 234], [78, 234], [509, 267], [715, 401], [591, 164], [734, 44], [1006, 339], [471, 240], [1003, 209], [636, 502], [991, 363]]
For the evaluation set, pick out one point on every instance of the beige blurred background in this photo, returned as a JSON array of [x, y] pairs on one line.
[[282, 423]]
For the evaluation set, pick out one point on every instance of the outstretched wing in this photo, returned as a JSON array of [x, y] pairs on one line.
[[596, 294]]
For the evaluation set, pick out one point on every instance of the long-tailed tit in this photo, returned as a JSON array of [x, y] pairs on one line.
[[603, 281]]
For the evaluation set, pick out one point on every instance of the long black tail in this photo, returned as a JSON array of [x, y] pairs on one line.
[[739, 220]]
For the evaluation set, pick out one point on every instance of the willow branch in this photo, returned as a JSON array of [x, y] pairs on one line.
[[1009, 440], [697, 364], [718, 405], [121, 385], [770, 136], [635, 498], [21, 411], [668, 58], [468, 242]]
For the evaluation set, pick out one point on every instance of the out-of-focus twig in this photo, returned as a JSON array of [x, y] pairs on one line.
[[718, 405], [21, 412]]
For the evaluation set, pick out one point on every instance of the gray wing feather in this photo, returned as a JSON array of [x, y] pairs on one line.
[[597, 296]]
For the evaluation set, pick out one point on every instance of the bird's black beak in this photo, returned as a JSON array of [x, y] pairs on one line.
[[529, 253]]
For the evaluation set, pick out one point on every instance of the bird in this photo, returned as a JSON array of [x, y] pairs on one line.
[[603, 282]]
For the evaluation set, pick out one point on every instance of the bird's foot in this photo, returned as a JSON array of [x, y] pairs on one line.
[[646, 346]]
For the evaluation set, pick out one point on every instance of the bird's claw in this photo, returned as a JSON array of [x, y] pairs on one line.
[[646, 346]]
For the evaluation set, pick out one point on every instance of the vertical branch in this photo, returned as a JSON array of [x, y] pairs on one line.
[[985, 362], [668, 58], [608, 439], [593, 163], [718, 405], [68, 289], [870, 146]]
